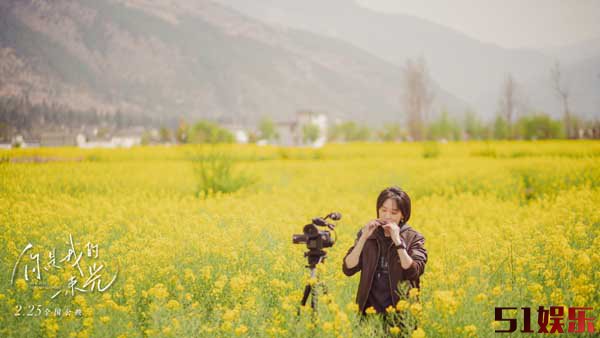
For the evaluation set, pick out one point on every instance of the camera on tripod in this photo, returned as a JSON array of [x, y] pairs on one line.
[[315, 241], [313, 237]]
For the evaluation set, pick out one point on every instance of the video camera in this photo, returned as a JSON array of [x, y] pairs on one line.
[[316, 239]]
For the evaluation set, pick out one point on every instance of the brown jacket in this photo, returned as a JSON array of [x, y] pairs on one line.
[[367, 264]]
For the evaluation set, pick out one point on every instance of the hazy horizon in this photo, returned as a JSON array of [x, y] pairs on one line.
[[538, 24]]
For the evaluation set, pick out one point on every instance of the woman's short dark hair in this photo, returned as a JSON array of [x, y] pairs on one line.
[[402, 201]]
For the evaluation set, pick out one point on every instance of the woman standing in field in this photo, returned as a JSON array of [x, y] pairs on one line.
[[386, 251]]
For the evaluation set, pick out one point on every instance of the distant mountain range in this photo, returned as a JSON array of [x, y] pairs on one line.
[[195, 59], [236, 61], [470, 69]]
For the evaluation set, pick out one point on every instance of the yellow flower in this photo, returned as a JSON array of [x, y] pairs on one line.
[[159, 291], [129, 216], [104, 319], [53, 281], [88, 322], [189, 275], [80, 300], [470, 330], [416, 308], [206, 272], [370, 310], [83, 334], [402, 305], [394, 330], [51, 327], [557, 296], [445, 301], [37, 293], [173, 304], [390, 309], [21, 284], [230, 315], [206, 328], [240, 330], [418, 333], [226, 326]]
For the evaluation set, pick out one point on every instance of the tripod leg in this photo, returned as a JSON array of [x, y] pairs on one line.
[[307, 292], [313, 300]]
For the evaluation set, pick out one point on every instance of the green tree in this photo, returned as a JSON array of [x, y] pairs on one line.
[[5, 132], [444, 128], [310, 133], [252, 137], [164, 134], [576, 124], [391, 132], [474, 128], [209, 132], [501, 128], [146, 138], [216, 172], [563, 93], [508, 102], [181, 134], [418, 95], [539, 127], [267, 129], [349, 131]]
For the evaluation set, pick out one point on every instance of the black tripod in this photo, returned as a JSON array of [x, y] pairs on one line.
[[314, 257], [315, 242]]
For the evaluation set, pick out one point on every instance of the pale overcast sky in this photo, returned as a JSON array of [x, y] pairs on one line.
[[508, 23]]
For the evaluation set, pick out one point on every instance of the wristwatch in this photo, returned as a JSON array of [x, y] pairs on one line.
[[400, 246]]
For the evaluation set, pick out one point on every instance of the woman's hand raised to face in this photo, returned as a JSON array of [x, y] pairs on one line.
[[368, 229], [394, 230]]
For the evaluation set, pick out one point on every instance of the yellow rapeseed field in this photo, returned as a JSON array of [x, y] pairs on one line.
[[511, 224]]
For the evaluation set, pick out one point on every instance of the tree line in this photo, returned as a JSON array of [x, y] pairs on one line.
[[18, 115], [418, 96]]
